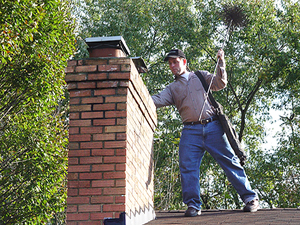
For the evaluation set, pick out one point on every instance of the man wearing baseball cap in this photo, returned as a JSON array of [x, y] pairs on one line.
[[202, 131], [175, 53]]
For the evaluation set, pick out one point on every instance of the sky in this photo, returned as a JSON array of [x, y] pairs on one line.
[[272, 127]]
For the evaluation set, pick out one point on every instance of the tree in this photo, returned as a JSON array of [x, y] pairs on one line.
[[36, 41], [268, 54], [278, 175], [261, 56]]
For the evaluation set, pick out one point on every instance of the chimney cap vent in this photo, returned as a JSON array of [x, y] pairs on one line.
[[116, 42], [140, 64]]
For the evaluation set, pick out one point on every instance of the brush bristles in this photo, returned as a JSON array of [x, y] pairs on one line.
[[234, 15]]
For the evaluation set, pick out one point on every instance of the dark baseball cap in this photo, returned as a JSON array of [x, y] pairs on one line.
[[175, 53]]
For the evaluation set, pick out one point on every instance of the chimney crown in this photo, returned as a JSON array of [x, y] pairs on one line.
[[114, 46]]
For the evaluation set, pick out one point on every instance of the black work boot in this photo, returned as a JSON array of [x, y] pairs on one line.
[[191, 212]]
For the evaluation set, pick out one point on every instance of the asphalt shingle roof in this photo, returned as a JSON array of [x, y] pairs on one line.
[[262, 216]]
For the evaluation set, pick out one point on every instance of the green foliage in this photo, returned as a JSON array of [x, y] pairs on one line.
[[36, 39], [277, 176], [262, 60], [167, 184]]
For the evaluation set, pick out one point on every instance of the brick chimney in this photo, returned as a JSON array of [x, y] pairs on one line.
[[112, 121]]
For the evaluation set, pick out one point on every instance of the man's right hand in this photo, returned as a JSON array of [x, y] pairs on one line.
[[220, 55]]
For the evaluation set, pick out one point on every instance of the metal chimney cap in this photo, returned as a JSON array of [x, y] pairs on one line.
[[108, 42], [140, 64]]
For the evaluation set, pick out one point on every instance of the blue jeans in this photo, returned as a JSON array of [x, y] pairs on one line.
[[194, 141]]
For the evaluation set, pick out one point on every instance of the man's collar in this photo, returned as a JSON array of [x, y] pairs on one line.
[[184, 75]]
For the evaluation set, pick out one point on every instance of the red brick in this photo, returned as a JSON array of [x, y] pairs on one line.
[[123, 76], [109, 68], [120, 167], [105, 92], [101, 137], [73, 146], [100, 216], [72, 208], [122, 61], [84, 184], [103, 152], [80, 123], [78, 184], [113, 208], [114, 114], [90, 68], [90, 176], [90, 160], [97, 76], [124, 84], [107, 84], [80, 108], [75, 77], [114, 191], [115, 129], [89, 208], [74, 115], [114, 175], [115, 159], [92, 100], [70, 69], [86, 85], [104, 122], [117, 99], [103, 167], [72, 62], [126, 67], [103, 183], [120, 152], [72, 161], [121, 106], [79, 168], [73, 130], [90, 191], [102, 199], [72, 176], [115, 144], [109, 132], [120, 183], [121, 121], [74, 153], [77, 216], [121, 136], [72, 86], [120, 199], [111, 106], [72, 192], [91, 130], [88, 115], [79, 137], [78, 200], [81, 93], [74, 101], [122, 91], [91, 145], [96, 61], [72, 223], [89, 223]]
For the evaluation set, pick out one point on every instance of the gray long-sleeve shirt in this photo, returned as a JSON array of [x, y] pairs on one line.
[[189, 95]]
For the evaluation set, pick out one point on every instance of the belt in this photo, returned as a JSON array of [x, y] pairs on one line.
[[204, 121]]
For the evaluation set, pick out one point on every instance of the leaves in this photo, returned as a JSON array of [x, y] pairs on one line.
[[36, 39]]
